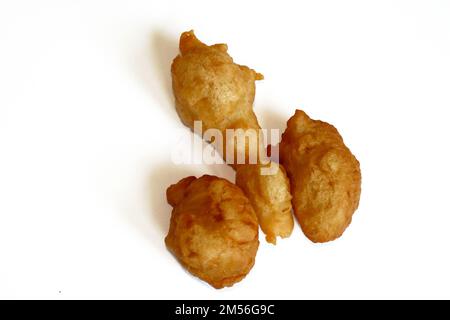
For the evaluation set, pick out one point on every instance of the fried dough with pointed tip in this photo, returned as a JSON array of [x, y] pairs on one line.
[[271, 198], [209, 87], [325, 177], [213, 229]]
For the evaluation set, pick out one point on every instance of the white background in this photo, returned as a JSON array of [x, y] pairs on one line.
[[87, 127]]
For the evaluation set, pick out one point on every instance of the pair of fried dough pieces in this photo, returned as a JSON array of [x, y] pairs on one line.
[[211, 88]]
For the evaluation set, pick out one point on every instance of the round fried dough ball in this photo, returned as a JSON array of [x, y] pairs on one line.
[[213, 230]]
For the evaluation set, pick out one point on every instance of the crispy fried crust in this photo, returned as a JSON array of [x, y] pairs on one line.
[[325, 177], [213, 229], [176, 192], [208, 86]]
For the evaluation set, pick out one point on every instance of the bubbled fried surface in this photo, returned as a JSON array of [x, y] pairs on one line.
[[213, 229], [325, 177]]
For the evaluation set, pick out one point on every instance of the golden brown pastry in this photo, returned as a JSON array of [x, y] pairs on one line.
[[325, 177], [209, 87], [213, 229], [271, 198]]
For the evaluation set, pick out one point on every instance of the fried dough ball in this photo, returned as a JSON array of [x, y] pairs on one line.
[[213, 229], [209, 87], [324, 175]]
